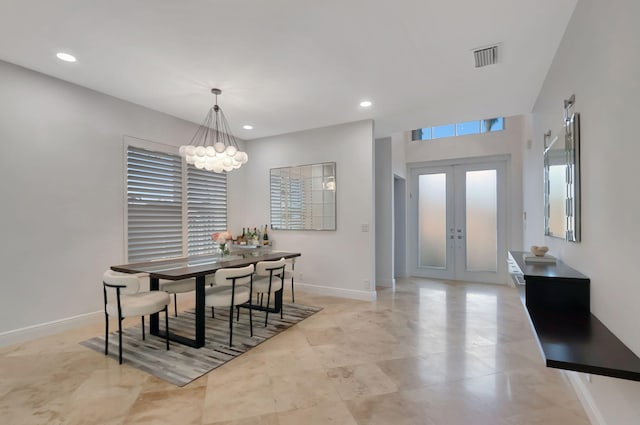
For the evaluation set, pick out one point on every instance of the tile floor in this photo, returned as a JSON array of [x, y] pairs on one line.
[[431, 353]]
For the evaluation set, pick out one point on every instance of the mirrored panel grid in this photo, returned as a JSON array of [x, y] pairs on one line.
[[303, 197]]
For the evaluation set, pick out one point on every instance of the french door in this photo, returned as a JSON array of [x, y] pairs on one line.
[[459, 221]]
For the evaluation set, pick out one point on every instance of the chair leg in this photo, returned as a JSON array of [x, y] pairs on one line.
[[213, 316], [142, 327], [106, 334], [166, 324], [266, 316], [250, 318], [293, 296], [230, 324], [237, 313], [120, 339], [175, 304]]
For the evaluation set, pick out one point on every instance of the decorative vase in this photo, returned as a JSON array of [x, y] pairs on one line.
[[224, 250]]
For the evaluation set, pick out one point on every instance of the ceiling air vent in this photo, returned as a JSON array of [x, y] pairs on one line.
[[486, 56]]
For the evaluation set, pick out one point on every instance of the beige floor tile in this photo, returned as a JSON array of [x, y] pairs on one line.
[[235, 396], [303, 390], [333, 413], [270, 419], [394, 408], [159, 407], [360, 380]]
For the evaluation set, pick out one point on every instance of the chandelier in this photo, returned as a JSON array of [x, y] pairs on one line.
[[214, 147]]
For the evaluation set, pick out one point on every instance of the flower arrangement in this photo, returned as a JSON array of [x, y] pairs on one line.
[[221, 238]]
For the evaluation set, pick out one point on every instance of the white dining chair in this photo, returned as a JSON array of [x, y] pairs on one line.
[[123, 298], [177, 287], [289, 272], [269, 279], [233, 287]]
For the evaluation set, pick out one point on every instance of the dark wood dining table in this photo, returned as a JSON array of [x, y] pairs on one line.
[[199, 266]]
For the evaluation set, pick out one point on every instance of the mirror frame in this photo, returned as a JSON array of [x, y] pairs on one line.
[[571, 149]]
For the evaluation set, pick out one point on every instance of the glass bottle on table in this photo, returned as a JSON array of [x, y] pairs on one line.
[[265, 236]]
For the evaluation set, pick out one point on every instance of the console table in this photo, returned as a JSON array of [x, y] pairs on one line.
[[557, 300]]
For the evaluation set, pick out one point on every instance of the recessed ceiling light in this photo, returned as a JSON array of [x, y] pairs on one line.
[[247, 127], [366, 103], [66, 57]]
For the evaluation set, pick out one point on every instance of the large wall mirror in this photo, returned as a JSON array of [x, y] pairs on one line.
[[304, 197], [562, 177]]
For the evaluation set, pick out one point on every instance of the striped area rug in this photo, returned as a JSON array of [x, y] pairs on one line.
[[182, 364]]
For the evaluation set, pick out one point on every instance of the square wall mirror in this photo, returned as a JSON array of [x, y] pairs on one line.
[[303, 197]]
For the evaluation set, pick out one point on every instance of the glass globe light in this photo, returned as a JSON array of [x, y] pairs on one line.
[[217, 167], [219, 147], [231, 150]]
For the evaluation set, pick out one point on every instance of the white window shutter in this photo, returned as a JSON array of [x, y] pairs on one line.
[[206, 208], [154, 205]]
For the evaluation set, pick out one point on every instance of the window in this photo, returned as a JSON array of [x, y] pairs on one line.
[[154, 205], [206, 208], [444, 131], [470, 127], [171, 210], [458, 129]]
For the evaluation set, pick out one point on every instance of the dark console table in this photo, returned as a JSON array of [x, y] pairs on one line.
[[557, 300]]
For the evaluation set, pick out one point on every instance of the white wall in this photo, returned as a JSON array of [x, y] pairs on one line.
[[384, 212], [599, 61], [61, 184], [398, 157], [333, 262], [506, 142]]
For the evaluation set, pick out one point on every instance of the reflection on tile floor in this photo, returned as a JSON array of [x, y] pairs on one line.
[[431, 353]]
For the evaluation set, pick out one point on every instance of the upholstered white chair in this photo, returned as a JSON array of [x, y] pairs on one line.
[[177, 287], [269, 279], [232, 288], [123, 298], [289, 271]]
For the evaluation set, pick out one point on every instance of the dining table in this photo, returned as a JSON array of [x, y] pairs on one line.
[[198, 267]]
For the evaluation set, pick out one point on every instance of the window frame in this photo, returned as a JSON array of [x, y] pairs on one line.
[[162, 148]]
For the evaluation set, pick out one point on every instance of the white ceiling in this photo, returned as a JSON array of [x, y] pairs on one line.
[[287, 65]]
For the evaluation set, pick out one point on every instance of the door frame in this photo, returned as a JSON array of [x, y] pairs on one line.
[[503, 213]]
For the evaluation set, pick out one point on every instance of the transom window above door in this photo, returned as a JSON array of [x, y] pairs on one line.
[[458, 129]]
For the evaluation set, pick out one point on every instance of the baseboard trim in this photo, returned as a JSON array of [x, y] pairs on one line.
[[584, 395], [338, 292], [387, 282], [40, 330]]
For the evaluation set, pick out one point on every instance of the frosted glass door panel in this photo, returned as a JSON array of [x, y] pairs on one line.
[[481, 220], [432, 220]]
